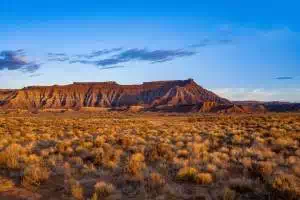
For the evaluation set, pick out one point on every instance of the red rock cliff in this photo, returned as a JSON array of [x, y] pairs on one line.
[[109, 94]]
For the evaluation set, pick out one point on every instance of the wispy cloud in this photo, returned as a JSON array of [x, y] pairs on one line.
[[116, 56], [16, 60], [203, 43], [285, 78], [136, 54], [58, 57], [35, 75], [208, 42], [112, 67], [99, 53]]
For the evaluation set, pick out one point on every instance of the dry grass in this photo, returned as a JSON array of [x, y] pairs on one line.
[[107, 155], [77, 191], [34, 175], [5, 184], [187, 174], [103, 189]]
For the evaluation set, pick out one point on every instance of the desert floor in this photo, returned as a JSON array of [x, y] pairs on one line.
[[121, 155]]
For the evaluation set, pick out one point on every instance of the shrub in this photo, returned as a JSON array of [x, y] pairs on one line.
[[296, 170], [107, 156], [5, 184], [187, 174], [204, 178], [11, 156], [34, 175], [155, 182], [136, 164], [285, 185], [77, 190], [159, 151], [103, 189], [265, 169], [211, 168]]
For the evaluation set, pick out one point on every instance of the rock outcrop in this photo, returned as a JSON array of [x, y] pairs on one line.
[[109, 94], [169, 96]]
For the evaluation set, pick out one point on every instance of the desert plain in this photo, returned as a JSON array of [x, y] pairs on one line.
[[149, 155]]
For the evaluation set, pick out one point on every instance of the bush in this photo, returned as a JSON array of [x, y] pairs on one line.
[[103, 189], [34, 175], [155, 182], [187, 174], [11, 156], [136, 164], [286, 185], [77, 190], [5, 184], [204, 178]]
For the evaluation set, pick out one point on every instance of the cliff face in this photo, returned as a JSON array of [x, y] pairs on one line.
[[109, 94]]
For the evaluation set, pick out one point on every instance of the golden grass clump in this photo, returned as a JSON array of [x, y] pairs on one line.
[[34, 175], [187, 174], [103, 189], [136, 164], [77, 190], [286, 185], [204, 178], [5, 184], [155, 182], [11, 156]]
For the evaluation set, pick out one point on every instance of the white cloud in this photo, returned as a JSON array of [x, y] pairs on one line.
[[259, 94]]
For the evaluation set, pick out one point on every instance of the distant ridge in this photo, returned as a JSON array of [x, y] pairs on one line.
[[169, 96]]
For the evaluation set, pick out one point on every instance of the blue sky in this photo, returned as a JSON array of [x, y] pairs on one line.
[[240, 50]]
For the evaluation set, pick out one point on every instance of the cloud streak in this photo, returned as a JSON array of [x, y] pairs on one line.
[[285, 78], [58, 57], [112, 67], [16, 60], [119, 56], [208, 42], [35, 75], [156, 56], [95, 54]]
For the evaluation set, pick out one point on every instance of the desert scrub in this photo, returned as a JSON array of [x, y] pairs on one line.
[[76, 190], [187, 174], [5, 184], [11, 156], [159, 151], [204, 178], [211, 168], [264, 169], [155, 182], [286, 186], [107, 156], [234, 151], [34, 175], [103, 189], [136, 165]]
